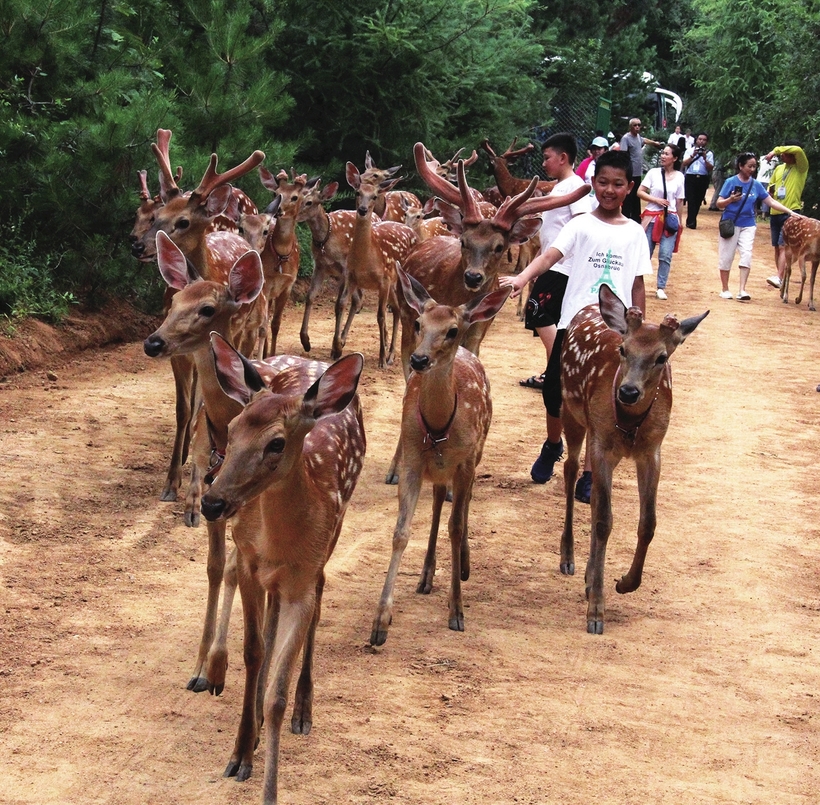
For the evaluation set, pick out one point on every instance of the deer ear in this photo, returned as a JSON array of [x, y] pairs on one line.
[[273, 207], [236, 375], [334, 390], [415, 294], [218, 200], [246, 278], [173, 265], [267, 178], [524, 228], [389, 184], [688, 326], [352, 175], [485, 307], [329, 191], [613, 310], [452, 217]]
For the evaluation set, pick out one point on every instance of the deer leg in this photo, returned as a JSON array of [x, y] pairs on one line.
[[394, 305], [814, 264], [381, 318], [276, 320], [799, 298], [217, 662], [601, 506], [574, 433], [241, 763], [341, 304], [649, 472], [356, 302], [315, 286], [216, 567], [787, 275], [392, 476], [462, 489], [295, 617], [409, 488], [185, 392], [200, 450], [425, 585]]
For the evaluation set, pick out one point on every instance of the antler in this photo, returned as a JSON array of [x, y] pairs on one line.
[[519, 206], [438, 184], [469, 207], [143, 180], [485, 144], [211, 180], [167, 179], [510, 154]]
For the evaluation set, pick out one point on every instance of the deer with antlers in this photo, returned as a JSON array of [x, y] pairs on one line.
[[187, 219], [801, 237], [617, 392], [375, 248], [293, 456], [446, 416], [198, 308], [507, 184]]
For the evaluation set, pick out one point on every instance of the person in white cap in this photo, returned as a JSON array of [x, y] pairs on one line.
[[586, 170]]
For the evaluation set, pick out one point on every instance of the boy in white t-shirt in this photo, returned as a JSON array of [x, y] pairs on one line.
[[544, 303], [602, 247]]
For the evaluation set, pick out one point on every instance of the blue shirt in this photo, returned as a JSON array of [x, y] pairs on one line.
[[747, 214]]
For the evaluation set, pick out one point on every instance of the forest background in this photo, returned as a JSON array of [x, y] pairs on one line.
[[84, 87]]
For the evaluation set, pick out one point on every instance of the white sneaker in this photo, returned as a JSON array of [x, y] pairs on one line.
[[661, 294], [773, 281], [725, 294]]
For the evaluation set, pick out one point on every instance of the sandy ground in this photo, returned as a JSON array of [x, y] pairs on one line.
[[705, 687]]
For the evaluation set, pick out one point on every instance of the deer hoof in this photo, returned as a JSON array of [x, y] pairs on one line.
[[169, 495], [595, 627], [812, 307], [392, 478], [192, 519], [425, 585], [242, 771], [197, 684], [301, 723], [305, 343], [216, 688], [456, 623], [378, 637], [568, 568], [626, 585]]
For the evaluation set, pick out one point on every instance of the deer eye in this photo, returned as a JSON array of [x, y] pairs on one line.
[[183, 223], [661, 360], [499, 249], [417, 326], [452, 333], [622, 351], [206, 311], [275, 446]]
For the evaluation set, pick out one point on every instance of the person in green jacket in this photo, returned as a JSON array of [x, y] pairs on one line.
[[786, 185]]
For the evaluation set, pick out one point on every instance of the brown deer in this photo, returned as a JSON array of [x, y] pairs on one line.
[[801, 237], [387, 206], [617, 392], [445, 419], [375, 248], [425, 228], [331, 235], [294, 454], [198, 308], [188, 219], [509, 185]]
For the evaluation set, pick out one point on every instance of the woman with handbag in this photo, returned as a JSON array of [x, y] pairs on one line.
[[663, 190], [737, 200]]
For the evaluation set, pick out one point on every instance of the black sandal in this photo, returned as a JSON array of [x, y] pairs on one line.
[[534, 382]]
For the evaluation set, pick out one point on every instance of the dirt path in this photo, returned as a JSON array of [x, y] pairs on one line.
[[704, 689]]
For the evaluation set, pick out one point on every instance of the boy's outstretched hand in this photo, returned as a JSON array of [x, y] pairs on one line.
[[513, 281]]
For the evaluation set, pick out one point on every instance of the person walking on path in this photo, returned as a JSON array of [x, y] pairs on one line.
[[632, 143], [737, 202], [786, 184], [662, 190], [698, 162]]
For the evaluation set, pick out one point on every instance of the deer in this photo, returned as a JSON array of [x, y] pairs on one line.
[[375, 248], [198, 308], [187, 219], [801, 237], [617, 392], [388, 205], [331, 235], [294, 455], [425, 228], [445, 419], [507, 184]]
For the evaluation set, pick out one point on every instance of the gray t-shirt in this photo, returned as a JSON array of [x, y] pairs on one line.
[[633, 144]]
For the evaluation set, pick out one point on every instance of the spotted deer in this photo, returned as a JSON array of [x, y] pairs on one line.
[[198, 308], [801, 237], [187, 219], [617, 392], [375, 248], [387, 206], [294, 454], [507, 184], [425, 228], [445, 419], [331, 235]]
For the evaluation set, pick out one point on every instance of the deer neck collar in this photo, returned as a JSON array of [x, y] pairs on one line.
[[630, 431], [433, 439]]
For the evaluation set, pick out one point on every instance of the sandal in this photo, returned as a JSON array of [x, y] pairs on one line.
[[534, 382]]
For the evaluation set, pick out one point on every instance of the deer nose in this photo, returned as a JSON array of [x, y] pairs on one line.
[[473, 279], [628, 395], [418, 363], [153, 345], [212, 509], [137, 248]]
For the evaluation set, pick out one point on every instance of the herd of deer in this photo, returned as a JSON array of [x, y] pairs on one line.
[[278, 442]]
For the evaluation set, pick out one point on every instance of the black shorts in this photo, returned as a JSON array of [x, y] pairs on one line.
[[551, 392], [776, 221], [544, 302]]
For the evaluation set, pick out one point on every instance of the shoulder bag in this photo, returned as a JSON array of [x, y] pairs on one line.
[[726, 227]]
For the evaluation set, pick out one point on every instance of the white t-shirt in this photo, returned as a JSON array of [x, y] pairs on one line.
[[590, 175], [553, 221], [595, 253], [653, 184]]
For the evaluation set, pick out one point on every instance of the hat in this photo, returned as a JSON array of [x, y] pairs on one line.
[[599, 142]]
